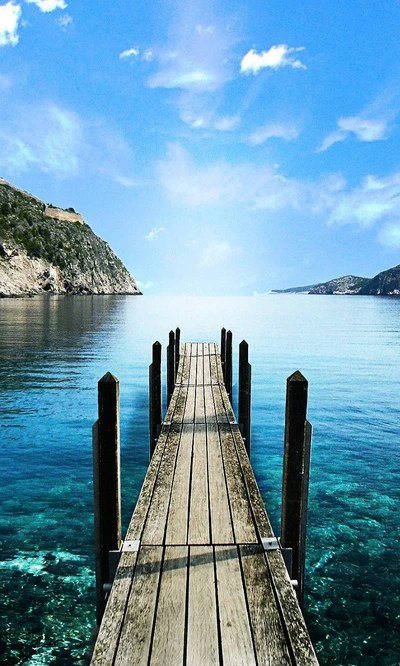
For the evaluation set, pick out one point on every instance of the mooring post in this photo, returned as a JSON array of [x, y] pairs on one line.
[[177, 349], [155, 396], [223, 350], [244, 398], [228, 364], [170, 366], [106, 484], [296, 472]]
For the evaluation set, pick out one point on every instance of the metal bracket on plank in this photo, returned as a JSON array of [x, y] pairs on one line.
[[270, 543], [130, 546]]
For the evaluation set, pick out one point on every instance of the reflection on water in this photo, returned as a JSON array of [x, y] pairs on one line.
[[54, 350]]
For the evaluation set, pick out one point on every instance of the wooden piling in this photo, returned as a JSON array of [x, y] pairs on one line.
[[106, 484], [223, 350], [296, 467], [244, 398], [177, 349], [228, 364], [155, 396], [170, 366]]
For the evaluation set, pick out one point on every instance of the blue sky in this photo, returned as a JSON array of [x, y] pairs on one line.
[[219, 147]]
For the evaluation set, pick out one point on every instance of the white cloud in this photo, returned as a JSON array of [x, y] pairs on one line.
[[227, 123], [64, 21], [10, 15], [214, 253], [273, 130], [5, 82], [365, 129], [45, 137], [376, 201], [148, 55], [390, 236], [154, 234], [128, 53], [126, 181], [48, 5], [276, 57]]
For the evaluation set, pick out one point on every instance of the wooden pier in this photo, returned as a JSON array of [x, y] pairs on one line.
[[201, 578]]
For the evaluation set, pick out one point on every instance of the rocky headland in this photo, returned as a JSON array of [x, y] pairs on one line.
[[386, 283], [45, 249]]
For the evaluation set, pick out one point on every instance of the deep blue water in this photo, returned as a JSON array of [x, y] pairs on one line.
[[53, 350]]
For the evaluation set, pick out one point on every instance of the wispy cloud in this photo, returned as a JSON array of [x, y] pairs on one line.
[[46, 138], [390, 236], [64, 21], [129, 53], [214, 253], [227, 123], [10, 15], [273, 130], [376, 201], [5, 82], [155, 233], [48, 5], [365, 129], [276, 57]]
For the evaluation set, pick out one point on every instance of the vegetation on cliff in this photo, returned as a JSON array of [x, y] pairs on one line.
[[386, 283], [59, 256]]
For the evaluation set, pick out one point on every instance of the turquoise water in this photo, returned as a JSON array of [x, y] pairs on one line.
[[53, 350]]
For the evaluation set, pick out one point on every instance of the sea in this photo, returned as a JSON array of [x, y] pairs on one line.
[[53, 351]]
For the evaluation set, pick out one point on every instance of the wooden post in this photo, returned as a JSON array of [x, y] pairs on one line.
[[155, 396], [296, 470], [177, 349], [228, 364], [223, 350], [106, 483], [170, 366], [244, 402]]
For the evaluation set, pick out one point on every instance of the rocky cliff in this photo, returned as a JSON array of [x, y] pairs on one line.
[[386, 283], [56, 253]]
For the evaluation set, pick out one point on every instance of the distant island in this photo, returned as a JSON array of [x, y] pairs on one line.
[[386, 283], [45, 249]]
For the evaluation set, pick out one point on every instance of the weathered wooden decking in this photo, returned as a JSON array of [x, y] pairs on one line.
[[200, 588]]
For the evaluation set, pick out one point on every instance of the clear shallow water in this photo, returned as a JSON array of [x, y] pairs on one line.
[[53, 351]]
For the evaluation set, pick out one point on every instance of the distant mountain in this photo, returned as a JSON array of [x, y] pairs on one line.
[[44, 249], [386, 283]]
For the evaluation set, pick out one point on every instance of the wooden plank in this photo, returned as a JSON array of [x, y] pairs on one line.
[[108, 637], [219, 371], [215, 379], [135, 642], [177, 523], [219, 405], [154, 529], [202, 635], [236, 639], [190, 407], [220, 517], [193, 363], [199, 516], [182, 376], [209, 405], [206, 365], [169, 631], [200, 413], [297, 633], [227, 405], [200, 366], [268, 634], [138, 519], [290, 611], [242, 517]]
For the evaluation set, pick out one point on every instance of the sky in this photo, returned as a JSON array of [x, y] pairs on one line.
[[218, 147]]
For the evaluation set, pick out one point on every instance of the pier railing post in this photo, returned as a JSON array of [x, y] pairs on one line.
[[228, 364], [223, 350], [106, 484], [177, 349], [296, 471], [155, 396], [170, 366], [244, 398]]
